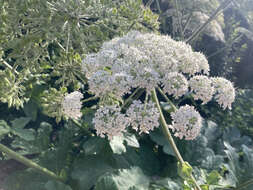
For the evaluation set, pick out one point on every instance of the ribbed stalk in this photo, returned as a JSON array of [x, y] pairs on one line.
[[29, 163], [169, 137]]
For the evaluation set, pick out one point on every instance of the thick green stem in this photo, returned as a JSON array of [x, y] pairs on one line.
[[167, 99], [29, 163], [169, 137], [135, 95], [90, 99], [165, 129]]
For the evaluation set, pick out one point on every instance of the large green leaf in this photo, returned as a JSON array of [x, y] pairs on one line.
[[4, 128], [159, 138], [58, 158], [143, 157], [21, 122], [94, 145], [117, 145], [56, 185], [87, 170], [125, 179], [38, 144], [25, 180], [31, 110], [18, 128], [165, 184], [131, 140]]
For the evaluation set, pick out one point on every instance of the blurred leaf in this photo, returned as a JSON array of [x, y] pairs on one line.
[[159, 138], [31, 110], [131, 140], [87, 170], [125, 179], [25, 180], [117, 145], [165, 184], [94, 145], [4, 128], [184, 170], [18, 128], [39, 144], [56, 185], [20, 123], [213, 178]]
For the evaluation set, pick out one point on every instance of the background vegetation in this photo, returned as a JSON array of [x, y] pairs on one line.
[[42, 44]]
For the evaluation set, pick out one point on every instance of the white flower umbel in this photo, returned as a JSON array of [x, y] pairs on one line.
[[148, 61], [186, 122], [143, 118], [72, 104], [109, 121], [201, 88], [224, 92], [175, 84], [145, 59], [202, 62]]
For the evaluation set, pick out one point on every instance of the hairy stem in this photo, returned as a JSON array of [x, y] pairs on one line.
[[169, 137], [29, 163]]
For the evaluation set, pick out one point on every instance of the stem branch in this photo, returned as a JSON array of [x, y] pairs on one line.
[[135, 95], [169, 137], [29, 163]]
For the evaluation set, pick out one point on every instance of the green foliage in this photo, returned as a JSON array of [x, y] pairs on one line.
[[56, 185], [4, 128], [126, 179], [12, 88], [42, 44], [51, 102], [237, 116], [29, 141]]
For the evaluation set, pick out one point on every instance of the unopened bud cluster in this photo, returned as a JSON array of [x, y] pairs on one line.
[[149, 61]]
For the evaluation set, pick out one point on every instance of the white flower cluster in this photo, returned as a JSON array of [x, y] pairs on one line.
[[110, 121], [145, 61], [186, 122], [72, 104], [143, 118], [175, 84], [149, 61], [224, 92], [201, 87]]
